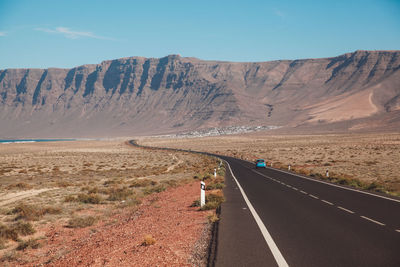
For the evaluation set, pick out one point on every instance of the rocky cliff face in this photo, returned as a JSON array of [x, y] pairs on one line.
[[138, 95]]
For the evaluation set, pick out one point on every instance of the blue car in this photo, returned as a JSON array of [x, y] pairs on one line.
[[260, 163]]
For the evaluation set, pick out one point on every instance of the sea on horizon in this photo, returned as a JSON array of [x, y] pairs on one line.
[[19, 141]]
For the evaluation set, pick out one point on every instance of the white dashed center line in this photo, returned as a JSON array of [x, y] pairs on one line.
[[327, 202], [371, 220], [349, 211]]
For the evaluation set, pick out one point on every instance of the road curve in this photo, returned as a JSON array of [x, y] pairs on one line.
[[311, 223]]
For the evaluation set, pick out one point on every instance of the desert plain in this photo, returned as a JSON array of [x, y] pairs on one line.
[[100, 203], [366, 161], [108, 203]]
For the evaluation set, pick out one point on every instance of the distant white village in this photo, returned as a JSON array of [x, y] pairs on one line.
[[221, 131]]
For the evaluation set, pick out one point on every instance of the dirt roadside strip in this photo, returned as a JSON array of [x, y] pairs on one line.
[[166, 216]]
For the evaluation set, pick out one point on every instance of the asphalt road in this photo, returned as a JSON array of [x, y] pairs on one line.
[[310, 223], [277, 218]]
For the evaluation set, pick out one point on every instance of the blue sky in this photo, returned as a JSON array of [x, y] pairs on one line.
[[56, 33]]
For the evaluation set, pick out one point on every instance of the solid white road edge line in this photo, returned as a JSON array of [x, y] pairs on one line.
[[280, 260], [371, 220], [346, 188], [322, 182]]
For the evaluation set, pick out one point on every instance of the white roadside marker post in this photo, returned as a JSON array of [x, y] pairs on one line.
[[289, 167], [202, 193], [327, 173], [215, 173]]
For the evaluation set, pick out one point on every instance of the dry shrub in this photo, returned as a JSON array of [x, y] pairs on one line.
[[30, 243], [348, 180], [11, 256], [51, 210], [216, 183], [317, 175], [196, 203], [32, 212], [221, 171], [2, 243], [20, 185], [197, 176], [303, 171], [81, 222], [213, 186], [212, 218], [85, 188], [374, 186], [89, 198], [11, 232], [8, 233], [118, 194], [56, 169], [142, 183], [148, 240], [93, 190], [207, 176], [154, 189], [279, 165], [63, 184], [112, 182], [213, 201], [70, 198], [23, 228], [170, 183]]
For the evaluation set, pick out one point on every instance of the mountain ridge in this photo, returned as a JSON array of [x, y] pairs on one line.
[[138, 95]]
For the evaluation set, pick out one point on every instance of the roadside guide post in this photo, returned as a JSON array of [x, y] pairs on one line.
[[327, 173], [289, 167], [215, 173], [202, 193]]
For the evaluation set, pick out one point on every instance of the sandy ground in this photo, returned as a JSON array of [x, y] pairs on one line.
[[13, 197], [166, 216], [346, 107], [367, 157], [129, 192]]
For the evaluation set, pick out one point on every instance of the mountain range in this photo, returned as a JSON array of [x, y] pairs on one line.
[[357, 91]]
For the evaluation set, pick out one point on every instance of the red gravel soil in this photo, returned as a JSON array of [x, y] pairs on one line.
[[180, 232]]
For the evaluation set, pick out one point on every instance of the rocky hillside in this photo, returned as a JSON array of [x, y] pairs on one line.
[[130, 96]]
